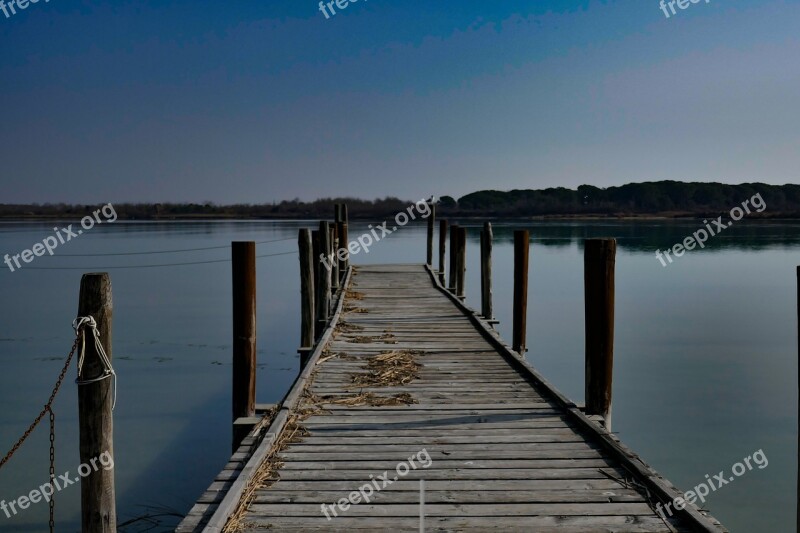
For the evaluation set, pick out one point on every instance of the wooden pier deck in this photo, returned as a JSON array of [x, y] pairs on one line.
[[507, 451]]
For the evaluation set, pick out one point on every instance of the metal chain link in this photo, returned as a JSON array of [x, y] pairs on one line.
[[48, 408], [48, 405]]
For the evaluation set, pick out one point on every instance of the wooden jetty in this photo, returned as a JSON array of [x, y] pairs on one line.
[[404, 373]]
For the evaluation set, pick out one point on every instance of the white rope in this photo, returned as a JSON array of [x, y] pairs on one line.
[[79, 325]]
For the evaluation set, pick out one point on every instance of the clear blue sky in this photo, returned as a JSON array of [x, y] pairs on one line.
[[256, 101]]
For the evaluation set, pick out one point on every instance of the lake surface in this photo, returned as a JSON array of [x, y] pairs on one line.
[[705, 366]]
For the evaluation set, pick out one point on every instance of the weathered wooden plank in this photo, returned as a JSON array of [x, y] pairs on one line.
[[386, 497], [540, 524], [466, 510]]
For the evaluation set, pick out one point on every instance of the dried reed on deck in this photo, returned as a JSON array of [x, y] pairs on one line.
[[389, 369]]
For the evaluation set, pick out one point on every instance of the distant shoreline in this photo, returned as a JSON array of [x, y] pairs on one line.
[[451, 215]]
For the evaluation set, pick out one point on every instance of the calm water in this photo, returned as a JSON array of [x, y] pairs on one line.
[[705, 367]]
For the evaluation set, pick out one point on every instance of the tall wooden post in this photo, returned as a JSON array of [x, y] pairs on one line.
[[451, 281], [431, 222], [341, 230], [798, 378], [442, 249], [521, 250], [243, 255], [346, 241], [486, 271], [95, 402], [337, 213], [334, 262], [598, 275], [461, 263], [324, 276], [306, 296]]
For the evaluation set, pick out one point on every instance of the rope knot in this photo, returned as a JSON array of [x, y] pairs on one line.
[[79, 325]]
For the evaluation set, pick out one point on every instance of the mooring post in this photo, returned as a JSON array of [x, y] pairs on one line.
[[486, 272], [306, 296], [442, 249], [95, 404], [341, 257], [598, 275], [431, 222], [324, 279], [243, 255], [461, 260], [337, 213], [332, 254], [521, 250], [451, 281], [345, 240]]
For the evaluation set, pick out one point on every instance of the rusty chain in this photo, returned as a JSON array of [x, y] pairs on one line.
[[47, 407]]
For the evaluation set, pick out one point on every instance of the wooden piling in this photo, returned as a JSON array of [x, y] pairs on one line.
[[442, 249], [431, 222], [243, 255], [342, 258], [798, 407], [346, 241], [521, 251], [316, 263], [486, 271], [324, 276], [451, 281], [599, 262], [306, 296], [461, 263], [332, 254], [95, 403]]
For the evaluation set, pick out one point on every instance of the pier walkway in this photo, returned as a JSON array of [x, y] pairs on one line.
[[413, 394]]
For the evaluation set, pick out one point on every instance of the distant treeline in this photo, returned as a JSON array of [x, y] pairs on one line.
[[669, 198], [323, 208], [663, 198]]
